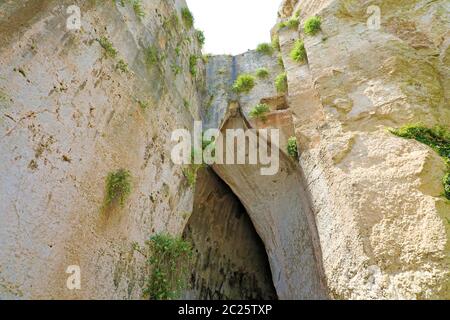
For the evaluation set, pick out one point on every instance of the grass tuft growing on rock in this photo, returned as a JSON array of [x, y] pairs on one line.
[[118, 187], [244, 83], [281, 83], [200, 37], [280, 61], [122, 66], [312, 25], [169, 259], [292, 23], [108, 47], [292, 148], [259, 111], [151, 56], [265, 48], [188, 18], [298, 53], [276, 43], [193, 65], [438, 138], [262, 73], [137, 7]]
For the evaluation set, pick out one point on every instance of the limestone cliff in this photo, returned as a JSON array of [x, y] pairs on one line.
[[360, 216], [69, 117]]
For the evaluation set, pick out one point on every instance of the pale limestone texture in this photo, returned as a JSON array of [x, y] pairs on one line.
[[381, 218], [70, 118], [360, 216]]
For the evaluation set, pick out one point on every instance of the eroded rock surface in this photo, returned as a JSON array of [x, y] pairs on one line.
[[68, 118]]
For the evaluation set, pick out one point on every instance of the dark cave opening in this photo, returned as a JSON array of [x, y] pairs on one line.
[[230, 261]]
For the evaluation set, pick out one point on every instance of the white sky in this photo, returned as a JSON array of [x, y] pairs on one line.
[[234, 26]]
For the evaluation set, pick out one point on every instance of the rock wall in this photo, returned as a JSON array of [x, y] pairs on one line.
[[378, 204], [68, 117], [360, 216]]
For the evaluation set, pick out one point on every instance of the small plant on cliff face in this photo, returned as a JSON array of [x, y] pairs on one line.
[[190, 173], [280, 61], [259, 111], [298, 53], [118, 187], [137, 7], [281, 83], [446, 182], [244, 83], [206, 57], [200, 37], [193, 65], [292, 148], [276, 43], [110, 51], [122, 66], [151, 56], [264, 48], [176, 69], [262, 73], [312, 26], [292, 23], [188, 18], [438, 138], [168, 258]]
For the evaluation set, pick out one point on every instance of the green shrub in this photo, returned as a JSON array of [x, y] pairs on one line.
[[292, 148], [281, 83], [264, 48], [193, 65], [188, 18], [297, 13], [186, 103], [259, 111], [312, 25], [262, 73], [190, 173], [280, 61], [200, 37], [176, 69], [276, 43], [446, 182], [169, 260], [151, 56], [110, 51], [118, 187], [293, 23], [137, 7], [438, 138], [206, 57], [244, 83], [122, 66], [298, 53]]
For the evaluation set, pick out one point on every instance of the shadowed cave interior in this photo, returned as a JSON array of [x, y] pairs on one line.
[[230, 260]]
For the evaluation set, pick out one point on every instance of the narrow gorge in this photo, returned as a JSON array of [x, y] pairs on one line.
[[358, 208]]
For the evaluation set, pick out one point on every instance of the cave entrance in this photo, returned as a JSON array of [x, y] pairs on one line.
[[230, 261]]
